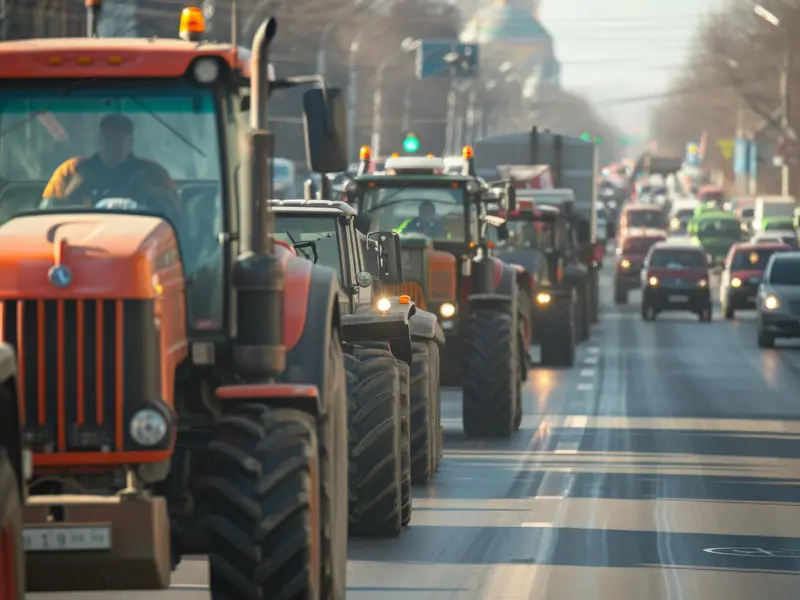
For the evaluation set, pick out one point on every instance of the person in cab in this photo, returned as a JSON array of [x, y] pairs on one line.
[[112, 172], [427, 223]]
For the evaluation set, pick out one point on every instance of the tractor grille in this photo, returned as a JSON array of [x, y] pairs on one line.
[[442, 283], [409, 288], [73, 357]]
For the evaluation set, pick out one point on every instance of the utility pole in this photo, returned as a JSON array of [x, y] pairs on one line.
[[785, 125]]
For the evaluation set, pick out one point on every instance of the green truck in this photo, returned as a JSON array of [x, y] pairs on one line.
[[716, 231]]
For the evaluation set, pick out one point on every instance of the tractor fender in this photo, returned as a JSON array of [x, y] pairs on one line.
[[311, 312], [507, 282], [506, 303], [425, 326], [369, 325]]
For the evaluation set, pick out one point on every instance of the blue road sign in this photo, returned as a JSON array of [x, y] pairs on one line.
[[741, 157], [446, 58]]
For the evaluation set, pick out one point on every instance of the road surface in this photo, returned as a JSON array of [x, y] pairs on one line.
[[661, 467]]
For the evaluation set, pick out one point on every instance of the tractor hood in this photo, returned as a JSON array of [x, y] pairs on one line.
[[100, 255]]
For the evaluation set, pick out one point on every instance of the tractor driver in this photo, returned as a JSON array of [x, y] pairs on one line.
[[113, 172], [426, 223]]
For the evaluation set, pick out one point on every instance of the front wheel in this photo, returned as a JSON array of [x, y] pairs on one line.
[[264, 505], [491, 375], [12, 554]]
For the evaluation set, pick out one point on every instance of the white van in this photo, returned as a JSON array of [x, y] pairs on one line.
[[772, 206]]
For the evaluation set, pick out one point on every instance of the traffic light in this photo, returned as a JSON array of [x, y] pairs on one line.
[[411, 143], [586, 137]]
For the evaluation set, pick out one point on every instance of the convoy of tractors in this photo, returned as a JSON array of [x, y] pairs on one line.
[[303, 402]]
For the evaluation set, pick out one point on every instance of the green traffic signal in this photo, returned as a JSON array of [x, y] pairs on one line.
[[586, 137], [411, 143]]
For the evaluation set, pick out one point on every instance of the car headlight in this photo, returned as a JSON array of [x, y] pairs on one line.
[[148, 427], [543, 298], [771, 302], [702, 283], [675, 224], [625, 264], [447, 310], [384, 304], [653, 281], [736, 282], [473, 187], [206, 70]]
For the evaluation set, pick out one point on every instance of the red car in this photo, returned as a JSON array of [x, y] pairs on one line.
[[742, 273], [675, 278], [630, 256], [640, 216]]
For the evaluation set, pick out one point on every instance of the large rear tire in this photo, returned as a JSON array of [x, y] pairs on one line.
[[12, 553], [375, 453], [405, 442], [436, 384], [491, 374], [423, 416], [264, 506], [557, 338]]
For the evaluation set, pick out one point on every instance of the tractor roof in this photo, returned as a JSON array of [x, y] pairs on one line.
[[313, 206], [110, 57], [387, 178]]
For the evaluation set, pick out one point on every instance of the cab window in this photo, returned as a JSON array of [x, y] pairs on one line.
[[313, 237], [784, 271], [644, 218]]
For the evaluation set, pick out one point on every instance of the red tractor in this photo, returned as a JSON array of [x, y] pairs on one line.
[[181, 378]]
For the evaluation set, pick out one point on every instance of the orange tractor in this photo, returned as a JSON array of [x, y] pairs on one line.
[[181, 380]]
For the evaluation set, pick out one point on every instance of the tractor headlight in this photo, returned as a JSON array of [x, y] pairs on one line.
[[736, 282], [543, 298], [473, 187], [206, 70], [653, 281], [447, 310], [384, 304], [702, 283], [625, 264], [148, 427]]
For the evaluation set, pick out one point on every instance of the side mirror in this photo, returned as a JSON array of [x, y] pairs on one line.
[[325, 124], [511, 197], [363, 221], [388, 259]]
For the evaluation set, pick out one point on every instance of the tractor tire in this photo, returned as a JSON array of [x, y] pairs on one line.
[[557, 339], [423, 414], [491, 375], [405, 442], [375, 448], [263, 495], [12, 551], [438, 428]]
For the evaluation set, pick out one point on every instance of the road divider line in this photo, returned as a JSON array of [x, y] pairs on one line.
[[590, 360], [588, 372], [585, 387]]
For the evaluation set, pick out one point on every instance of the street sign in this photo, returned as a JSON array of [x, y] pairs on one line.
[[726, 147], [446, 58]]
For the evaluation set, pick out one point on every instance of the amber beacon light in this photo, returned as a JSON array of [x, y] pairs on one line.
[[193, 24]]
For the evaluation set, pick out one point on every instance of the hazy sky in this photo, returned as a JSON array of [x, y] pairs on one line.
[[617, 50]]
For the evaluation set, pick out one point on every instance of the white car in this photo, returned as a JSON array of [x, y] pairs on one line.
[[787, 237]]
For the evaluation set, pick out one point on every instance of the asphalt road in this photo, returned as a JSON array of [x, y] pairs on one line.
[[661, 467]]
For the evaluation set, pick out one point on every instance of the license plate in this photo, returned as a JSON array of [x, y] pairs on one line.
[[678, 298], [66, 538]]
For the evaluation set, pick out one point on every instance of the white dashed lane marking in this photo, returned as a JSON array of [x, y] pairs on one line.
[[585, 387], [588, 372], [590, 360]]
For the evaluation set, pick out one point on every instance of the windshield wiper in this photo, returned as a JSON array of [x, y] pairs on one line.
[[312, 244], [168, 127], [37, 113]]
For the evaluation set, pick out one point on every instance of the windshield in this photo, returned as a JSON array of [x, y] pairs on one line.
[[437, 212], [748, 213], [282, 171], [785, 271], [678, 259], [314, 237], [719, 228], [525, 234], [639, 245], [755, 259], [153, 144], [644, 218]]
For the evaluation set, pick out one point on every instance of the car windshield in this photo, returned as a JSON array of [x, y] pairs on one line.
[[639, 246], [710, 228], [163, 134], [755, 259], [644, 218], [785, 271], [313, 237], [678, 259], [435, 211], [524, 234]]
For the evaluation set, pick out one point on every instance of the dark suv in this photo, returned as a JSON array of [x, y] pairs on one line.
[[675, 277]]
